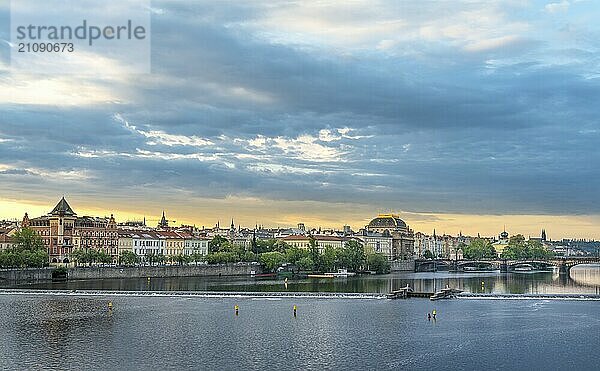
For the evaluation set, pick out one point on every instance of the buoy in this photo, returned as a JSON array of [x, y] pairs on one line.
[[236, 309], [434, 313], [294, 311], [110, 305]]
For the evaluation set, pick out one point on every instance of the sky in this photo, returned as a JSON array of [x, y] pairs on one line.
[[458, 115]]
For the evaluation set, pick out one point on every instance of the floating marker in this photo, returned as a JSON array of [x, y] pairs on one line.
[[236, 309], [110, 306], [294, 311]]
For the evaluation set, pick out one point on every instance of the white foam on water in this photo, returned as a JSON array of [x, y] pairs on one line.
[[544, 298], [193, 294]]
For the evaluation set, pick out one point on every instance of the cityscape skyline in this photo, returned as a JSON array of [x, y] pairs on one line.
[[492, 224], [463, 115]]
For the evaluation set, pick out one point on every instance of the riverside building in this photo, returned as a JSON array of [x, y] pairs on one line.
[[62, 231], [403, 241]]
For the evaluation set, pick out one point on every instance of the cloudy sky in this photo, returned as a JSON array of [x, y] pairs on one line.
[[459, 115]]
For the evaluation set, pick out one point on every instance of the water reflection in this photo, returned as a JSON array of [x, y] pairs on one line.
[[582, 279]]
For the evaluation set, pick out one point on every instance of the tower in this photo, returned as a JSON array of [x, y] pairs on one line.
[[164, 223], [25, 222], [62, 224], [543, 235]]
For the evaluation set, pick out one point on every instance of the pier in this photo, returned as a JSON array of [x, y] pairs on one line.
[[407, 292]]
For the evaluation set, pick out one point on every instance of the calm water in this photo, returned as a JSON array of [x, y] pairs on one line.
[[582, 279], [46, 330], [67, 332]]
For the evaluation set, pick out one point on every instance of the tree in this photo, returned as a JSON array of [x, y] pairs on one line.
[[479, 249], [517, 248], [217, 244], [294, 254], [128, 258], [379, 263], [197, 257], [428, 254], [306, 264], [103, 257], [271, 260], [28, 239], [313, 250], [180, 259], [355, 255], [328, 259]]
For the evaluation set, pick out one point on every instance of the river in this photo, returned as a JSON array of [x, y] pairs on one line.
[[583, 279], [41, 330]]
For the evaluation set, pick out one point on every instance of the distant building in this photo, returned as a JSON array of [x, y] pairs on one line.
[[375, 242], [164, 223], [501, 243], [402, 236], [6, 238], [323, 241], [62, 231]]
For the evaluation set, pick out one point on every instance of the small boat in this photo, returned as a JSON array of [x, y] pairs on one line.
[[326, 275], [264, 275], [342, 273], [447, 293], [524, 268]]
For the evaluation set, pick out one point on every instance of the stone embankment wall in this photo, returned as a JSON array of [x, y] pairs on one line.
[[16, 276], [31, 275], [403, 266]]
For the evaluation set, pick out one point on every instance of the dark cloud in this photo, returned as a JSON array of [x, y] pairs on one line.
[[229, 112]]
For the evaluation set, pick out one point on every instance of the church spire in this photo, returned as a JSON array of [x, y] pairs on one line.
[[163, 221]]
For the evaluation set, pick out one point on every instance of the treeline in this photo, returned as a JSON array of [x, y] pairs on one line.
[[271, 254], [517, 249], [28, 252]]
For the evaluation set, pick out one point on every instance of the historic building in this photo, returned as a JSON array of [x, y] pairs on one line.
[[375, 242], [323, 241], [62, 231], [6, 238], [402, 236]]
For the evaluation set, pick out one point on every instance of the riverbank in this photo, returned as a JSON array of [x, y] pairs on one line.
[[39, 275]]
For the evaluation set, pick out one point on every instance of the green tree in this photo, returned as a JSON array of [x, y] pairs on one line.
[[379, 263], [313, 250], [181, 259], [28, 239], [294, 254], [517, 248], [197, 257], [103, 257], [271, 260], [328, 259], [355, 255], [428, 254], [306, 264], [479, 249], [128, 258], [217, 244]]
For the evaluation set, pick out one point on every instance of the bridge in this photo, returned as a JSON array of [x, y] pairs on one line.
[[504, 265]]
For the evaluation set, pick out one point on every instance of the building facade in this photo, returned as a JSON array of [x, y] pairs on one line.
[[62, 231], [403, 241]]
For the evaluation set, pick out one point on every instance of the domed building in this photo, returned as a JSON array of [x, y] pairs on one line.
[[387, 222], [403, 241]]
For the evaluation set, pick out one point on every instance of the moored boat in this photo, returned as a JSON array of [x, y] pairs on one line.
[[326, 275]]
